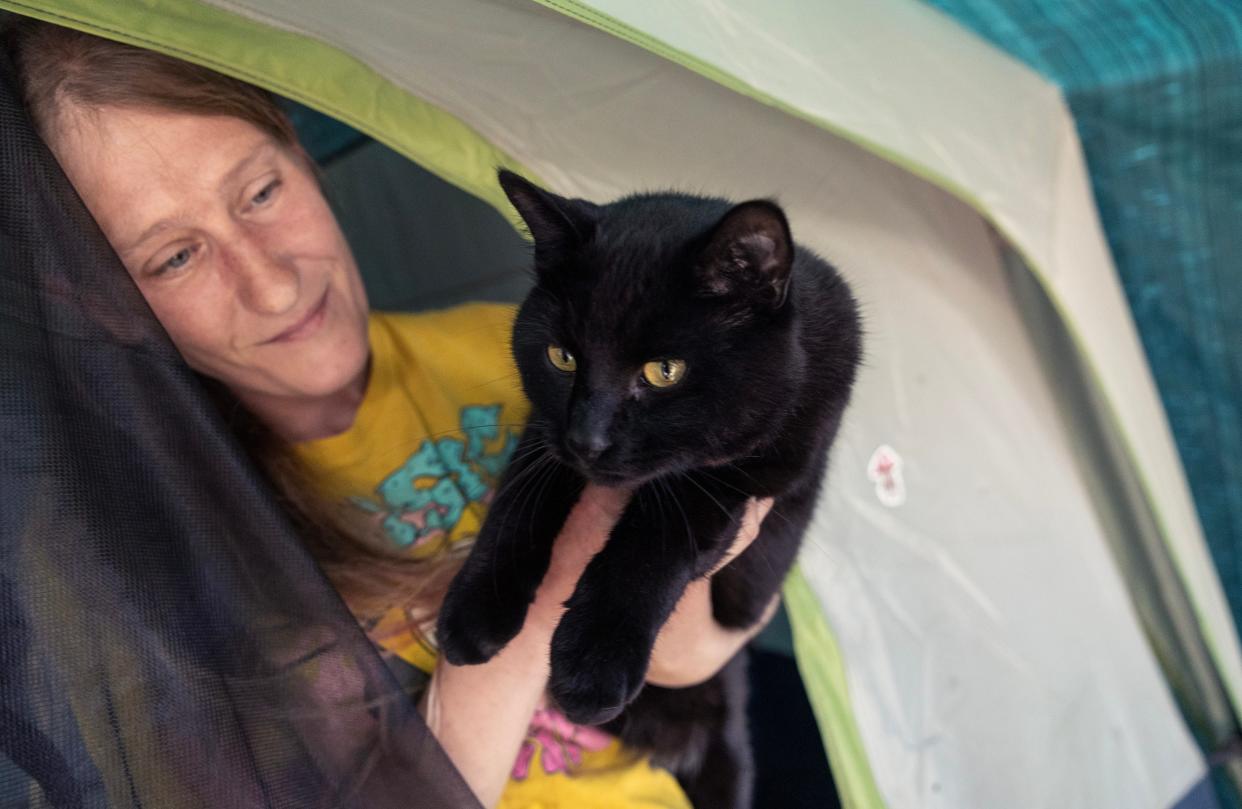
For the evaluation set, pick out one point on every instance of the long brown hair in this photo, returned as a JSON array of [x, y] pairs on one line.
[[59, 65], [340, 537]]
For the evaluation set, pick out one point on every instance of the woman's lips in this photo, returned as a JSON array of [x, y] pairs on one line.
[[307, 325]]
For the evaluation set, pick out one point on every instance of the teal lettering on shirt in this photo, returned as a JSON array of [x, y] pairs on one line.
[[427, 495]]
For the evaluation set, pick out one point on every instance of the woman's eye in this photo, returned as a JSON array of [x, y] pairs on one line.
[[664, 373], [266, 194], [562, 359], [178, 260]]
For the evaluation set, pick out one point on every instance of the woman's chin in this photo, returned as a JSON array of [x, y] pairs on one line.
[[320, 374], [308, 382]]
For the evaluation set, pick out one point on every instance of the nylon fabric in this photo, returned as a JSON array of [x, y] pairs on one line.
[[166, 641]]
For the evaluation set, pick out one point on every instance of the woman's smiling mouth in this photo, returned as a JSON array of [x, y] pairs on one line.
[[306, 326]]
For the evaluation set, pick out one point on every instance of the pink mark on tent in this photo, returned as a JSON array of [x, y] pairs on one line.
[[885, 469]]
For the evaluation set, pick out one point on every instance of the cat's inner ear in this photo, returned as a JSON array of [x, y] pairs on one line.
[[749, 253], [556, 223]]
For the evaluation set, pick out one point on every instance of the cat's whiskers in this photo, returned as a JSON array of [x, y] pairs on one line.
[[672, 493], [834, 554], [762, 551], [689, 478], [530, 452], [704, 471], [539, 472], [655, 496], [511, 375], [525, 476], [545, 478], [773, 510]]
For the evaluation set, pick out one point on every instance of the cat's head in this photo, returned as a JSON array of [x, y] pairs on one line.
[[659, 336]]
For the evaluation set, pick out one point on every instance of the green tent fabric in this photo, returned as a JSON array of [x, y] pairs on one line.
[[1155, 87], [1017, 606]]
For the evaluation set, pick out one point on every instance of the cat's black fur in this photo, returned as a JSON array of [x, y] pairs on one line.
[[771, 338]]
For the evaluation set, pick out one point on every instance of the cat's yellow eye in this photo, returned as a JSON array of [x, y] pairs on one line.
[[664, 373], [562, 359]]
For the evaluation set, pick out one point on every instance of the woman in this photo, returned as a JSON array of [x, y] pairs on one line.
[[200, 186]]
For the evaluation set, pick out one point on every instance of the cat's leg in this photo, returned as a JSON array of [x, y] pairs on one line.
[[725, 776], [699, 733], [670, 532], [487, 601]]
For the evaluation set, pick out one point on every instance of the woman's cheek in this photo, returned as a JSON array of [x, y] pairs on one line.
[[200, 327]]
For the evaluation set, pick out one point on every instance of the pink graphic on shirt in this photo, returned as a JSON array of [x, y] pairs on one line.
[[418, 518], [559, 741]]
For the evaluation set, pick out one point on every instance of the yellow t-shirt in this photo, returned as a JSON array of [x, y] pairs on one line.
[[442, 414]]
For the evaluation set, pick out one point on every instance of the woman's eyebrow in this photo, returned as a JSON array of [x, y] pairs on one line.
[[158, 227], [229, 178], [245, 163]]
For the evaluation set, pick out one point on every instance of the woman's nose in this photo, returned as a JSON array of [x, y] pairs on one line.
[[265, 280]]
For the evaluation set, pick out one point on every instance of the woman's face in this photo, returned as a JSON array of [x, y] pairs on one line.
[[231, 242]]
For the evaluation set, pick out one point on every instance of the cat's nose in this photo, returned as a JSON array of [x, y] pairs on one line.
[[587, 444], [590, 421]]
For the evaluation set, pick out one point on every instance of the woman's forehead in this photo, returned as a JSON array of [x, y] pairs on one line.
[[134, 167]]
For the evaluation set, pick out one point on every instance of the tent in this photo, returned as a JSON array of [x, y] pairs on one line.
[[1006, 598]]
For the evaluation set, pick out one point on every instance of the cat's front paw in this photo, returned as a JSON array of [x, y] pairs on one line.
[[595, 671], [475, 624]]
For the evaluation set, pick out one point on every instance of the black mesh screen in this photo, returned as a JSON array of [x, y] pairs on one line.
[[165, 641]]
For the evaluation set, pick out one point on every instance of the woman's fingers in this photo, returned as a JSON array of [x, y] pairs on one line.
[[766, 618], [691, 646], [752, 519]]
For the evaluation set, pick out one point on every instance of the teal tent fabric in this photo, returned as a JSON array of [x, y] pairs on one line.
[[421, 242], [323, 137], [1155, 88]]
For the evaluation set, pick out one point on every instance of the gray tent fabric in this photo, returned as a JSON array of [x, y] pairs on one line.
[[1155, 88], [1166, 613]]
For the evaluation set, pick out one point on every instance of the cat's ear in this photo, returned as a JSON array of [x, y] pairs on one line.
[[556, 223], [749, 253]]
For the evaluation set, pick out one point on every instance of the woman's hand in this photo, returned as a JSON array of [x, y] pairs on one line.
[[692, 647], [480, 714]]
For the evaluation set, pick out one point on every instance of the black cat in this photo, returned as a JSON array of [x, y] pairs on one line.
[[683, 347]]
